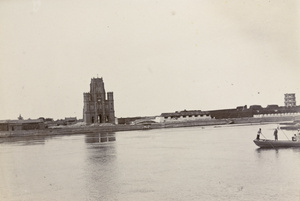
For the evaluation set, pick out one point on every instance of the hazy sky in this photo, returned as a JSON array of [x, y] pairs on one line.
[[156, 56]]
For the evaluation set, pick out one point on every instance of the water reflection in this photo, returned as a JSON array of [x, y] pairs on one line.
[[101, 166], [26, 140], [268, 151], [296, 149], [165, 164], [101, 137], [261, 150]]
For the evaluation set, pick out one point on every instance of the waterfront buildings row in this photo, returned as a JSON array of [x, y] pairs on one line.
[[35, 124], [15, 125], [254, 111], [98, 108]]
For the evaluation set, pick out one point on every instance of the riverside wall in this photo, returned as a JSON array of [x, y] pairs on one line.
[[69, 130]]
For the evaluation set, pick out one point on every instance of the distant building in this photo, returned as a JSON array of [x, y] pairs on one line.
[[96, 108], [15, 125], [136, 120], [185, 115], [289, 100], [70, 120]]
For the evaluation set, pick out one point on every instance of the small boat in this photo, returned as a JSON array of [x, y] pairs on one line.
[[291, 127], [265, 143], [295, 125]]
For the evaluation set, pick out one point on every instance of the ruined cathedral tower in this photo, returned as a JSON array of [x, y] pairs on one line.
[[96, 108]]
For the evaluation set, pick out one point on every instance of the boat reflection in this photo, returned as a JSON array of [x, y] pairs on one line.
[[262, 152]]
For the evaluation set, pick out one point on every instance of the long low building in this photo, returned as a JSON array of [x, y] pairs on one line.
[[14, 125], [254, 111], [185, 115]]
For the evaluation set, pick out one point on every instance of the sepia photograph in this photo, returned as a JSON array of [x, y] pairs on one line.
[[149, 100]]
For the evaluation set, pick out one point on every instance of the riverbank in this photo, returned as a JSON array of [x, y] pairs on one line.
[[88, 129], [97, 128]]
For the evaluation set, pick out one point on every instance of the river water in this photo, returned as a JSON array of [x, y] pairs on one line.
[[196, 163]]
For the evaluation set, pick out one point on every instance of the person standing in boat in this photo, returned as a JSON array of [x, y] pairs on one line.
[[276, 134], [258, 133]]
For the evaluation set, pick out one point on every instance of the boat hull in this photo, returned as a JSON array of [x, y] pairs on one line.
[[276, 144]]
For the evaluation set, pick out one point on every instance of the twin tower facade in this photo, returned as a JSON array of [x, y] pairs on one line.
[[97, 107]]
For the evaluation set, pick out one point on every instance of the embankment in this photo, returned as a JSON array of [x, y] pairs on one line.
[[71, 130]]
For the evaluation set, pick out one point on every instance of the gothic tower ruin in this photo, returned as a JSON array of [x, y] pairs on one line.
[[96, 108]]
